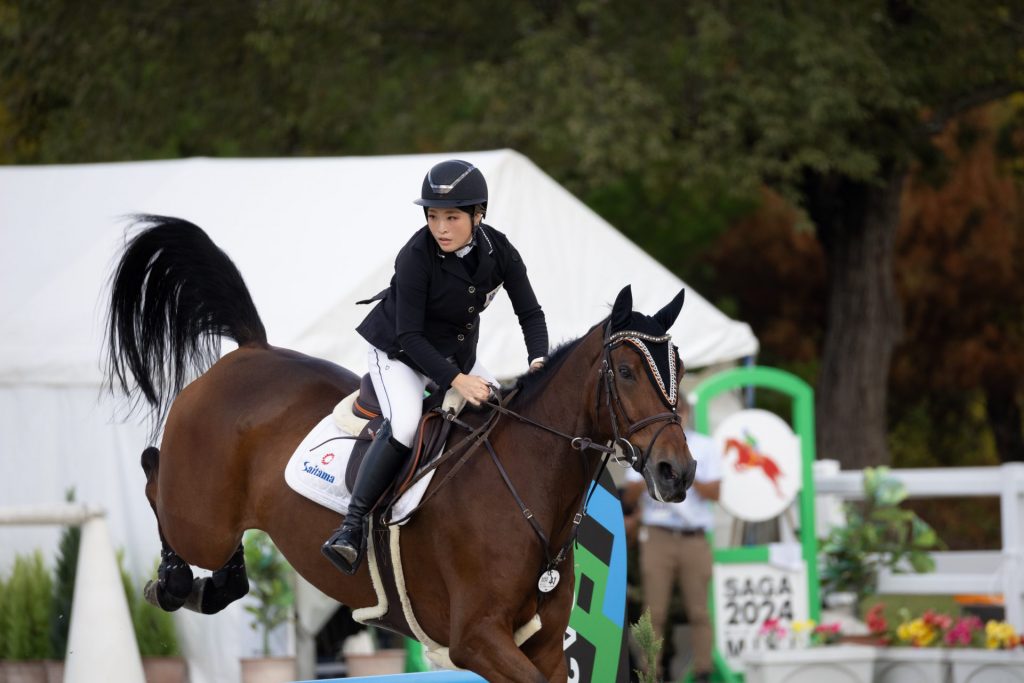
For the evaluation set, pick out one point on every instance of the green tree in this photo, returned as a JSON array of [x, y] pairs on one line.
[[829, 103], [669, 116], [960, 246]]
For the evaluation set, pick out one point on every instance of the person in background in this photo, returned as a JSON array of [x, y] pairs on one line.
[[674, 547]]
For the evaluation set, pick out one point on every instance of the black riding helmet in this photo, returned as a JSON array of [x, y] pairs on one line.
[[454, 184]]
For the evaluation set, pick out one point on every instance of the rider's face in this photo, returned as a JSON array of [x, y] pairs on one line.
[[452, 228]]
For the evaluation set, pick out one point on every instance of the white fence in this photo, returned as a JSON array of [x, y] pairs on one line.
[[958, 572], [101, 640]]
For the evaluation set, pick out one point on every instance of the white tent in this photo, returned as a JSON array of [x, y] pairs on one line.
[[311, 236]]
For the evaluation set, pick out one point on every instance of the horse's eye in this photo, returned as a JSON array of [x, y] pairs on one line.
[[625, 372]]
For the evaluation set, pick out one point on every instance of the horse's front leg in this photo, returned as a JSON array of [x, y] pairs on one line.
[[485, 646]]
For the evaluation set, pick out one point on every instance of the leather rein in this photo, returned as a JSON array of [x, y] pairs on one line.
[[632, 455]]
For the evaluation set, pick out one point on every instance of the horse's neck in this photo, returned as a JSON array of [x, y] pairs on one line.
[[567, 404], [568, 401]]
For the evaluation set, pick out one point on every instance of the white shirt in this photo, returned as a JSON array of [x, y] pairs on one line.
[[694, 512]]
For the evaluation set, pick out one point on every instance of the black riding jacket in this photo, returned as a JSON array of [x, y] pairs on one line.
[[429, 318]]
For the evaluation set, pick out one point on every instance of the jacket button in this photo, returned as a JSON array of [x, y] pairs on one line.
[[469, 326], [471, 309], [461, 337], [472, 289]]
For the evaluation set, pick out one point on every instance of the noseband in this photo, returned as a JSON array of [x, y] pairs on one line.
[[633, 456]]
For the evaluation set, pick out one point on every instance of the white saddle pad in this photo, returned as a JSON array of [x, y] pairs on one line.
[[317, 471]]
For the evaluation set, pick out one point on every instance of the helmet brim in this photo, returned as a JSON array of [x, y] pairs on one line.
[[449, 203]]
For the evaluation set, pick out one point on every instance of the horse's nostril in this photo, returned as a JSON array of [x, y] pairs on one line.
[[667, 472]]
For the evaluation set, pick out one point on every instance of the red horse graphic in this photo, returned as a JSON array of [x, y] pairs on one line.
[[749, 457]]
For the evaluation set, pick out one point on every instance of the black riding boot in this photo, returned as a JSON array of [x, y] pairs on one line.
[[381, 463]]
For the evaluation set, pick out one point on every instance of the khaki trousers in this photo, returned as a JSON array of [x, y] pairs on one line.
[[665, 558]]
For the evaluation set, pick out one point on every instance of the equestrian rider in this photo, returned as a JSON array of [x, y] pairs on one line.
[[426, 327]]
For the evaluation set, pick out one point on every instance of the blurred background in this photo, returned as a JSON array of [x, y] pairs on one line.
[[846, 177]]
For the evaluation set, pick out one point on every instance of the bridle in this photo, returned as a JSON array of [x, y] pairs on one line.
[[633, 456]]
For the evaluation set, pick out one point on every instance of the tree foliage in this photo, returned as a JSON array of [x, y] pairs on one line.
[[671, 118]]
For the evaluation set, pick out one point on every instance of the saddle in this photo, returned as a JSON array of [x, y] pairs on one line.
[[359, 414]]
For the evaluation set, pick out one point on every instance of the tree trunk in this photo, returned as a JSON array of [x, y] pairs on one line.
[[856, 224], [1005, 419]]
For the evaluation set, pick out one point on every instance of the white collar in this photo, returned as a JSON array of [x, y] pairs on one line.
[[462, 251]]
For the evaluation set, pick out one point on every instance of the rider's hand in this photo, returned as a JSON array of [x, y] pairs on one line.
[[537, 363], [474, 389]]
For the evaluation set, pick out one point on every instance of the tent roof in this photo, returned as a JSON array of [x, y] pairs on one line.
[[310, 236]]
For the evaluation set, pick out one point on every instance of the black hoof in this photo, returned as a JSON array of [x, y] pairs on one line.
[[157, 595]]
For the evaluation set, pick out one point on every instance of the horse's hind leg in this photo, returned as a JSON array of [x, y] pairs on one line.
[[173, 584], [175, 587], [213, 593], [174, 576]]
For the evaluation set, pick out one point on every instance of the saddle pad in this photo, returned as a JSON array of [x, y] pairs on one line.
[[317, 471]]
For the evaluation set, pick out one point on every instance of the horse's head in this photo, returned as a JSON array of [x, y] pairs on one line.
[[641, 370]]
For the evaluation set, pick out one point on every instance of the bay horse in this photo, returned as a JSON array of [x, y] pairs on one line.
[[471, 561]]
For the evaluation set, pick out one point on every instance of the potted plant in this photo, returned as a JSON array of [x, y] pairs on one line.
[[25, 620], [271, 598], [878, 534], [798, 654], [364, 655]]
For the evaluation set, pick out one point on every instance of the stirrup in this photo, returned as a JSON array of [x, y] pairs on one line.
[[338, 554]]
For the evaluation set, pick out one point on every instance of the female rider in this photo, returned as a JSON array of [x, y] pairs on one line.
[[426, 327]]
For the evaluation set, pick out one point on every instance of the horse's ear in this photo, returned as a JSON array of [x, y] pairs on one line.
[[666, 316], [622, 311]]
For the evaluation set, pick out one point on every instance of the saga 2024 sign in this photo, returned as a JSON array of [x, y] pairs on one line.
[[746, 595]]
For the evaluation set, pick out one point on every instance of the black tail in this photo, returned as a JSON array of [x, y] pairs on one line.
[[173, 295]]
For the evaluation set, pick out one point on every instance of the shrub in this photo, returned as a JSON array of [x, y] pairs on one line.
[[650, 644], [154, 628], [270, 577], [64, 584], [27, 608]]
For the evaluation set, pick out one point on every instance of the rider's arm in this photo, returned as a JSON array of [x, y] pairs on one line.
[[527, 308], [412, 281]]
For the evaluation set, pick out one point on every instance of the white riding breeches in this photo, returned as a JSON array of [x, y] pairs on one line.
[[400, 392]]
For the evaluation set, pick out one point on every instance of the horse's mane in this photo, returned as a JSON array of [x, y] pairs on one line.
[[532, 384]]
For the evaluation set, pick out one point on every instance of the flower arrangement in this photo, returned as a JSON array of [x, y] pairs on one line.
[[964, 633], [878, 625], [923, 631], [802, 633], [1000, 636], [934, 629]]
